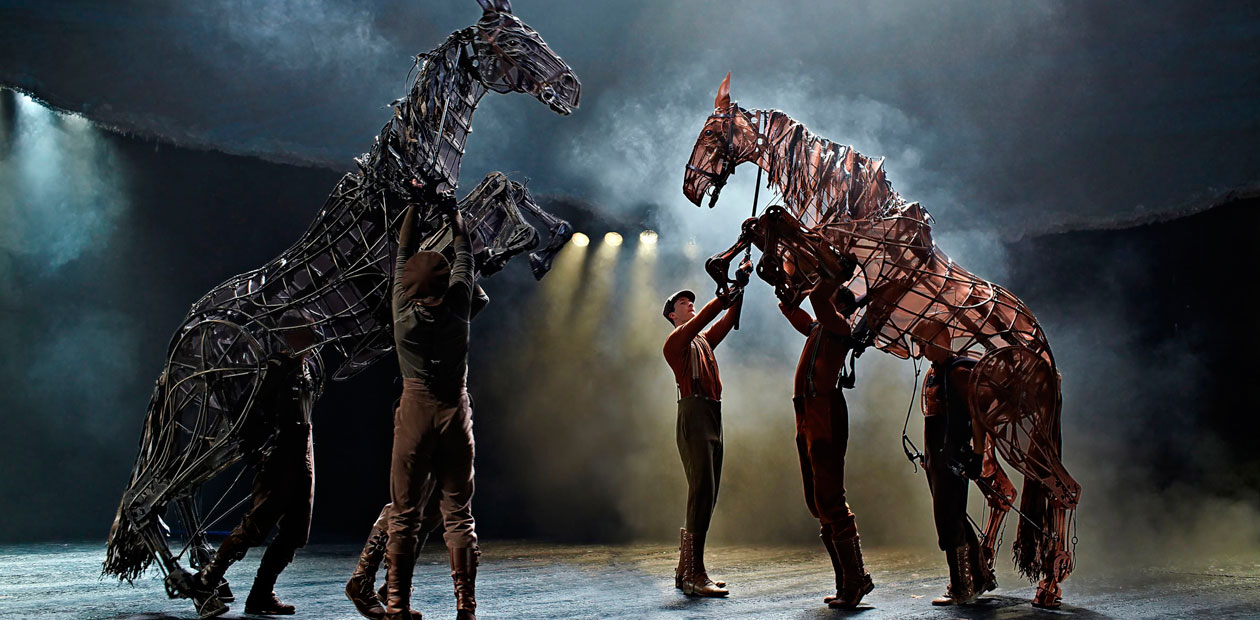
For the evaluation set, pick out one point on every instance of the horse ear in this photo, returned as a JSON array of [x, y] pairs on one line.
[[504, 6], [723, 99], [487, 5]]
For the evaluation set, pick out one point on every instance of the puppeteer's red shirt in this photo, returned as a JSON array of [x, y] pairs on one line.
[[690, 352]]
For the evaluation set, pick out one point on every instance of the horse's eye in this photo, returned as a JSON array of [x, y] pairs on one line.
[[708, 132]]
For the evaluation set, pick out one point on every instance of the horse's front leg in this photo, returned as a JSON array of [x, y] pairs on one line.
[[999, 493], [718, 266]]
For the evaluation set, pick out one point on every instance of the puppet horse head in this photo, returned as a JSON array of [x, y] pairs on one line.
[[512, 57], [729, 138]]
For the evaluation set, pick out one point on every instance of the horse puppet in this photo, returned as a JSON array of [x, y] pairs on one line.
[[337, 278], [841, 219]]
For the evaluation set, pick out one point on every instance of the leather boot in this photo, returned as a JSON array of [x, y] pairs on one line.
[[398, 587], [210, 577], [852, 581], [262, 598], [682, 545], [464, 573], [962, 588], [678, 572], [199, 555], [695, 579], [361, 589]]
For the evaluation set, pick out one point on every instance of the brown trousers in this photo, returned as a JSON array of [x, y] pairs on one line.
[[283, 493], [945, 437], [699, 436], [431, 438], [822, 439]]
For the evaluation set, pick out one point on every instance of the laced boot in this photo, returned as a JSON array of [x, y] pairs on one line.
[[361, 587], [852, 580], [398, 587], [678, 572], [464, 573], [262, 598], [962, 588], [695, 580]]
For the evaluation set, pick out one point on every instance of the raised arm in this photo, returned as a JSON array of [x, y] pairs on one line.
[[798, 317], [718, 332], [679, 339], [406, 247], [459, 293], [479, 301]]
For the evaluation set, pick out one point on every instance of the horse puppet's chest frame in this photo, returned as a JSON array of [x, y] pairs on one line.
[[891, 258]]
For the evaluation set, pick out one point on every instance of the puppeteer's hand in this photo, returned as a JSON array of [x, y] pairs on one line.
[[742, 273], [458, 225], [730, 296]]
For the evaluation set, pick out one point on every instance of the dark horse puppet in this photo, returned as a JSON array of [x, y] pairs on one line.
[[203, 417], [842, 220]]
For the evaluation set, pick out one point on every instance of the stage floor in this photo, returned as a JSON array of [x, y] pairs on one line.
[[532, 580]]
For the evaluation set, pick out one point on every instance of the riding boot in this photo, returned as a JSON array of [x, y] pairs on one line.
[[852, 580], [695, 579], [398, 587], [464, 574], [210, 577], [361, 589], [682, 553], [962, 588], [836, 567], [678, 572], [199, 556], [262, 598]]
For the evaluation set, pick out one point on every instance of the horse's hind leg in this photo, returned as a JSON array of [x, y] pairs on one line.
[[1057, 562]]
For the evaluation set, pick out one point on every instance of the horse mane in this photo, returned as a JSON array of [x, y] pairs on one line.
[[426, 134], [822, 181]]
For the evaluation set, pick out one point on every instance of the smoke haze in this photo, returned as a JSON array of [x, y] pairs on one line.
[[1006, 121]]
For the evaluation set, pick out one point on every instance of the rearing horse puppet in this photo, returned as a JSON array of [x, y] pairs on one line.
[[843, 221], [204, 417]]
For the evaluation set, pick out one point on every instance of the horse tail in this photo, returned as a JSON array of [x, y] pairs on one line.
[[126, 553], [1031, 542]]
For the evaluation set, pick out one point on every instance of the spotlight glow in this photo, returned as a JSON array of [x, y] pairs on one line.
[[647, 237], [612, 238], [580, 240]]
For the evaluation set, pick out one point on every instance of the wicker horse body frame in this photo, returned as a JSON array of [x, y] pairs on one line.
[[843, 210], [337, 278]]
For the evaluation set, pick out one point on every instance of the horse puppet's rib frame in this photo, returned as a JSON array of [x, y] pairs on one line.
[[841, 203], [336, 277]]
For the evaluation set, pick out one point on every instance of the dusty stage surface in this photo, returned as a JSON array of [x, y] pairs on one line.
[[535, 580]]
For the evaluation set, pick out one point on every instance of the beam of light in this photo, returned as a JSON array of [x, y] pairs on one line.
[[580, 240], [612, 238], [647, 237], [641, 326], [60, 188]]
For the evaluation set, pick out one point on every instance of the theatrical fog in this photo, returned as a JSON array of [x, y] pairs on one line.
[[599, 309]]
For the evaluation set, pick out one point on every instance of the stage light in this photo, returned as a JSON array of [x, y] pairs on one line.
[[580, 240], [647, 237], [612, 238]]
